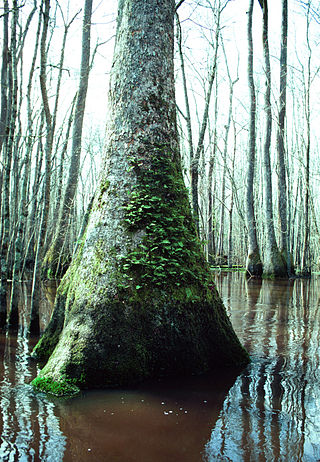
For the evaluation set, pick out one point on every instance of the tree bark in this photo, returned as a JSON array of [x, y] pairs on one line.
[[138, 299], [253, 264]]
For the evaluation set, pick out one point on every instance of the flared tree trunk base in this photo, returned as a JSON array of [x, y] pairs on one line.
[[254, 265], [274, 266], [146, 308], [119, 341]]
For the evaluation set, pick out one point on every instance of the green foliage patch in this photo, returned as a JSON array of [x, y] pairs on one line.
[[170, 252]]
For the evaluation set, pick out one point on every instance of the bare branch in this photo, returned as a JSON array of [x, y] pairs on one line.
[[179, 4]]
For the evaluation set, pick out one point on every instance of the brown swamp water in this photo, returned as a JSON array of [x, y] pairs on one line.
[[268, 412]]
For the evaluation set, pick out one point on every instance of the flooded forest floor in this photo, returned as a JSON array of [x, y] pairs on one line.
[[269, 412]]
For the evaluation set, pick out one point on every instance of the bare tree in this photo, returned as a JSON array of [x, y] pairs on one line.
[[305, 259], [273, 264], [253, 264], [282, 175], [196, 152]]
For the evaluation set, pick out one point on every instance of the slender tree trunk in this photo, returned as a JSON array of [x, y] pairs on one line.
[[195, 154], [35, 207], [62, 161], [282, 176], [4, 75], [199, 150], [224, 159], [230, 232], [211, 195], [138, 300], [34, 315], [12, 317], [305, 258], [45, 7], [55, 263], [274, 265], [253, 264]]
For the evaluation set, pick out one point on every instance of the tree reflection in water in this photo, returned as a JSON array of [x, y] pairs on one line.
[[272, 411], [30, 429]]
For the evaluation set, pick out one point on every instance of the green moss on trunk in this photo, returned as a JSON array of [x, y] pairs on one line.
[[61, 388], [170, 253]]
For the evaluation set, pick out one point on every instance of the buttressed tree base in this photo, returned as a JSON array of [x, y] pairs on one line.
[[138, 300]]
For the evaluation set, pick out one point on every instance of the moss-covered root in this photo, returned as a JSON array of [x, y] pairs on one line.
[[61, 388], [254, 265], [274, 265]]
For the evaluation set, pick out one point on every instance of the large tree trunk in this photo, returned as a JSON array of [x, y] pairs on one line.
[[253, 264], [138, 299], [274, 265]]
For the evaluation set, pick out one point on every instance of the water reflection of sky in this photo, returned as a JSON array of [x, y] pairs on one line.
[[272, 413]]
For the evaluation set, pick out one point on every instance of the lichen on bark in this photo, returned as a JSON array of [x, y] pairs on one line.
[[138, 300]]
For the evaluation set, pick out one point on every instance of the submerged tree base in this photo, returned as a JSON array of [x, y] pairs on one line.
[[126, 340], [288, 259], [254, 265], [274, 265]]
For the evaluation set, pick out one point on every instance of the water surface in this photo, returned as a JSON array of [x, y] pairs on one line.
[[268, 412]]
